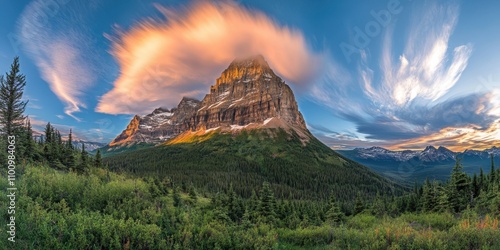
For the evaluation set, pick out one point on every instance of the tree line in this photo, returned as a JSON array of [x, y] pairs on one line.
[[50, 147]]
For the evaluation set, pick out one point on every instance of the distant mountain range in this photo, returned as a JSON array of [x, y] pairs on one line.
[[432, 163], [89, 145]]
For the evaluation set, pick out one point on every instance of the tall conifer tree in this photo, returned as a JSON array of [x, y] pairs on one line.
[[11, 104]]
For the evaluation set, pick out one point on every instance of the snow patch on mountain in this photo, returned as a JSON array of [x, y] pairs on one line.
[[429, 154]]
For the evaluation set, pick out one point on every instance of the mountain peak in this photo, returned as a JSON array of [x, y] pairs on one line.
[[187, 102], [376, 148], [160, 110], [443, 149], [249, 92], [248, 95], [252, 61], [246, 70], [187, 99], [429, 148]]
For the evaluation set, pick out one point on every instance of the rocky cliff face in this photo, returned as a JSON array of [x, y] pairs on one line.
[[248, 92], [162, 124], [247, 95]]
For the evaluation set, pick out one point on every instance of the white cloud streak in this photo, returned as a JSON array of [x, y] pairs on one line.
[[61, 54], [427, 69]]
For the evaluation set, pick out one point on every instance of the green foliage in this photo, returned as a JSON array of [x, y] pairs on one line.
[[294, 170], [359, 206], [459, 188], [103, 210], [308, 237], [492, 170], [334, 214], [98, 159], [267, 203], [82, 167], [362, 220], [11, 104]]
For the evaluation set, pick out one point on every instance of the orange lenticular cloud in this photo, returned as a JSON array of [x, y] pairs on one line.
[[457, 139], [161, 61]]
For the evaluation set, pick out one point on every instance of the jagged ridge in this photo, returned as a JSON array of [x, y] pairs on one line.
[[162, 124]]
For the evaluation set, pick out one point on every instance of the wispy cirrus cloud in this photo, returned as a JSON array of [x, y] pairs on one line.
[[428, 68], [61, 52], [161, 61], [400, 100]]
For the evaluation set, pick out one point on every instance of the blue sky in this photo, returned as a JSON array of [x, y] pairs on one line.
[[399, 74]]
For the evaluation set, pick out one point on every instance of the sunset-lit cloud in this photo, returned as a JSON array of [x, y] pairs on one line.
[[161, 61], [456, 138]]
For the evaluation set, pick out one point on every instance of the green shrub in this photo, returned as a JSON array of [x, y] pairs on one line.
[[310, 236], [362, 221]]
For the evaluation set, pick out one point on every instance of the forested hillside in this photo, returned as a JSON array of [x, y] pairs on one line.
[[215, 161], [102, 210]]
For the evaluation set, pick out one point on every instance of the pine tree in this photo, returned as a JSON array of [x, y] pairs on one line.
[[333, 215], [234, 206], [358, 205], [475, 186], [253, 204], [29, 147], [246, 222], [98, 160], [219, 208], [176, 197], [495, 200], [48, 145], [192, 192], [459, 192], [70, 140], [83, 159], [48, 134], [443, 203], [71, 161], [266, 208], [428, 199], [378, 207], [58, 146], [11, 105], [481, 179], [492, 170]]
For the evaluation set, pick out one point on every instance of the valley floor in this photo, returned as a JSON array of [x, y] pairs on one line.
[[104, 210]]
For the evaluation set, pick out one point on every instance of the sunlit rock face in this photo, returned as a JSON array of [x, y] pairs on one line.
[[247, 92], [247, 95]]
